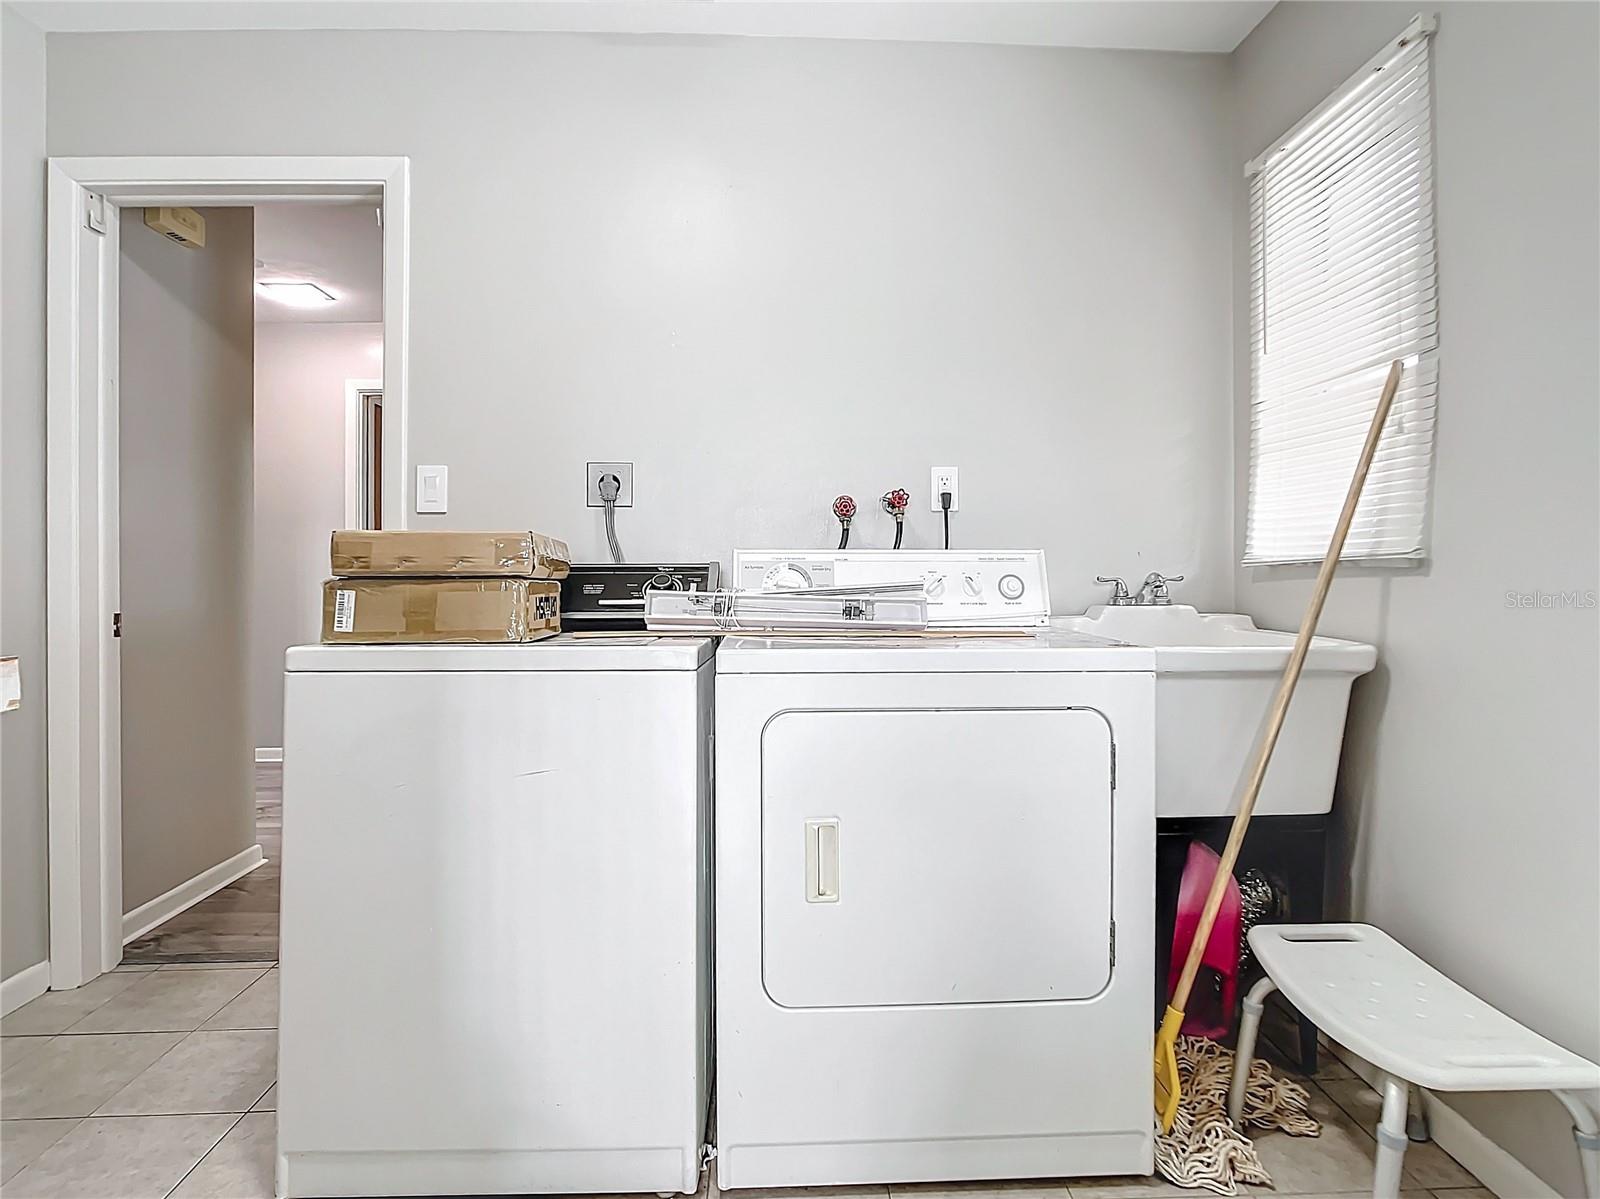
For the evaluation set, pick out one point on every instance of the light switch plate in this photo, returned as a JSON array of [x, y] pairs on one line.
[[433, 489]]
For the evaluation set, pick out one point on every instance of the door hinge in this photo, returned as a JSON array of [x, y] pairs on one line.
[[1113, 943], [116, 624], [1113, 763], [94, 212]]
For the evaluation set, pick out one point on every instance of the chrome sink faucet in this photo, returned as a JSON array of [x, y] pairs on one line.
[[1154, 592], [1119, 592]]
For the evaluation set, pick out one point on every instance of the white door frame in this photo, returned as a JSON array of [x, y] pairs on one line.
[[355, 451], [83, 718]]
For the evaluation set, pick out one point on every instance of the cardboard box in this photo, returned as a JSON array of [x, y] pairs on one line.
[[396, 611], [363, 553]]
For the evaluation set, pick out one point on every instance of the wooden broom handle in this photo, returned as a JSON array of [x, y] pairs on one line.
[[1280, 705]]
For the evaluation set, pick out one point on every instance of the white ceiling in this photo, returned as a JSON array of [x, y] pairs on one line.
[[1194, 25], [339, 247]]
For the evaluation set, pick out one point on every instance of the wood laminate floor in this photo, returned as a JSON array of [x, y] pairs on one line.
[[240, 922]]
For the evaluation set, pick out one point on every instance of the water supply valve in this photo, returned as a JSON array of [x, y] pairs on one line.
[[895, 502], [845, 509]]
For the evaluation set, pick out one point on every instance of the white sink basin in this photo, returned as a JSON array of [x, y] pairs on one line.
[[1216, 674]]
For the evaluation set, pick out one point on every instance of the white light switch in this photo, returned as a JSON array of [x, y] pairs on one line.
[[433, 489]]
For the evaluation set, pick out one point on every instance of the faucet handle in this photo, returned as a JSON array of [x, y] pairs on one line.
[[1154, 590], [1119, 593]]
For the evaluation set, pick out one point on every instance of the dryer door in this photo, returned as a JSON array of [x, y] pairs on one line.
[[935, 856]]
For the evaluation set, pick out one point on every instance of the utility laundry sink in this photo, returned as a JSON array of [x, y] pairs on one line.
[[1216, 674]]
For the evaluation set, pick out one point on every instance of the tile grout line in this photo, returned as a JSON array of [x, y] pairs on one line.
[[137, 1116], [133, 986], [141, 1032], [159, 1058], [163, 1055], [91, 1011], [209, 1151], [148, 1031]]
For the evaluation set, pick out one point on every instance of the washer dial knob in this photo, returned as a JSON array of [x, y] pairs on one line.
[[1011, 586], [972, 583], [933, 585]]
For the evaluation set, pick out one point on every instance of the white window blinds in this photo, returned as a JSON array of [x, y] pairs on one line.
[[1343, 281]]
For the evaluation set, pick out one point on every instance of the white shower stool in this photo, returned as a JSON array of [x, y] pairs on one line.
[[1374, 996]]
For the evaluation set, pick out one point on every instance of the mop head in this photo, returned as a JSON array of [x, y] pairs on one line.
[[1203, 1150]]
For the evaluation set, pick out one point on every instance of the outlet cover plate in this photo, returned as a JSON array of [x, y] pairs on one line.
[[944, 478], [624, 473]]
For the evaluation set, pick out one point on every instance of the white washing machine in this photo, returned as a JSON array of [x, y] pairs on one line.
[[935, 894], [496, 918]]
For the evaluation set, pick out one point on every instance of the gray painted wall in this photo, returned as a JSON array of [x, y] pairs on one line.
[[24, 922], [769, 271], [1468, 795], [301, 371], [766, 271], [187, 329]]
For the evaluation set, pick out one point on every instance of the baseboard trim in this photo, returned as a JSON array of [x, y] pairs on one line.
[[186, 894], [23, 987], [269, 753], [1463, 1140]]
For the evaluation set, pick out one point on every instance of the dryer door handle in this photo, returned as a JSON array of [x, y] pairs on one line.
[[822, 860]]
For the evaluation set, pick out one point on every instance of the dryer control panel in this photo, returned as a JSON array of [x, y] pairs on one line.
[[965, 588]]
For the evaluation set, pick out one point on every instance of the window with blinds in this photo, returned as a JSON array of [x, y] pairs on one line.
[[1343, 281]]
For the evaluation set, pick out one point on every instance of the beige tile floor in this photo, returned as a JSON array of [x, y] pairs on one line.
[[147, 1082], [160, 1082]]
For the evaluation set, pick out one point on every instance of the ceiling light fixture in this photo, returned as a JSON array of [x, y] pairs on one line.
[[296, 295]]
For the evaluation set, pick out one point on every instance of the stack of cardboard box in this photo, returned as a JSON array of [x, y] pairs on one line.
[[414, 585]]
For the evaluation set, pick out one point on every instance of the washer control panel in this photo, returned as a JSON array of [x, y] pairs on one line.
[[611, 595], [965, 588]]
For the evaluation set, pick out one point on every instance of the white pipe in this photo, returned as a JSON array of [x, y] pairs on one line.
[[1249, 1026]]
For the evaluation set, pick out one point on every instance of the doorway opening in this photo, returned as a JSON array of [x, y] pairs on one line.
[[235, 360], [100, 759]]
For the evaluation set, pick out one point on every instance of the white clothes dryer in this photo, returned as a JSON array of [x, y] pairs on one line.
[[934, 903]]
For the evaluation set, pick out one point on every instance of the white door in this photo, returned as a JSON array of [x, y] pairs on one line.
[[942, 856]]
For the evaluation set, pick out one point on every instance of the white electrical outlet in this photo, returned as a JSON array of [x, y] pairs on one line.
[[624, 473], [945, 478]]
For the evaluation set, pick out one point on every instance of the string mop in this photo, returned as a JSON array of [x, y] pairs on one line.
[[1203, 1150]]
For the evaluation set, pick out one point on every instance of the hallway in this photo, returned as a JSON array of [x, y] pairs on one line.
[[240, 922]]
